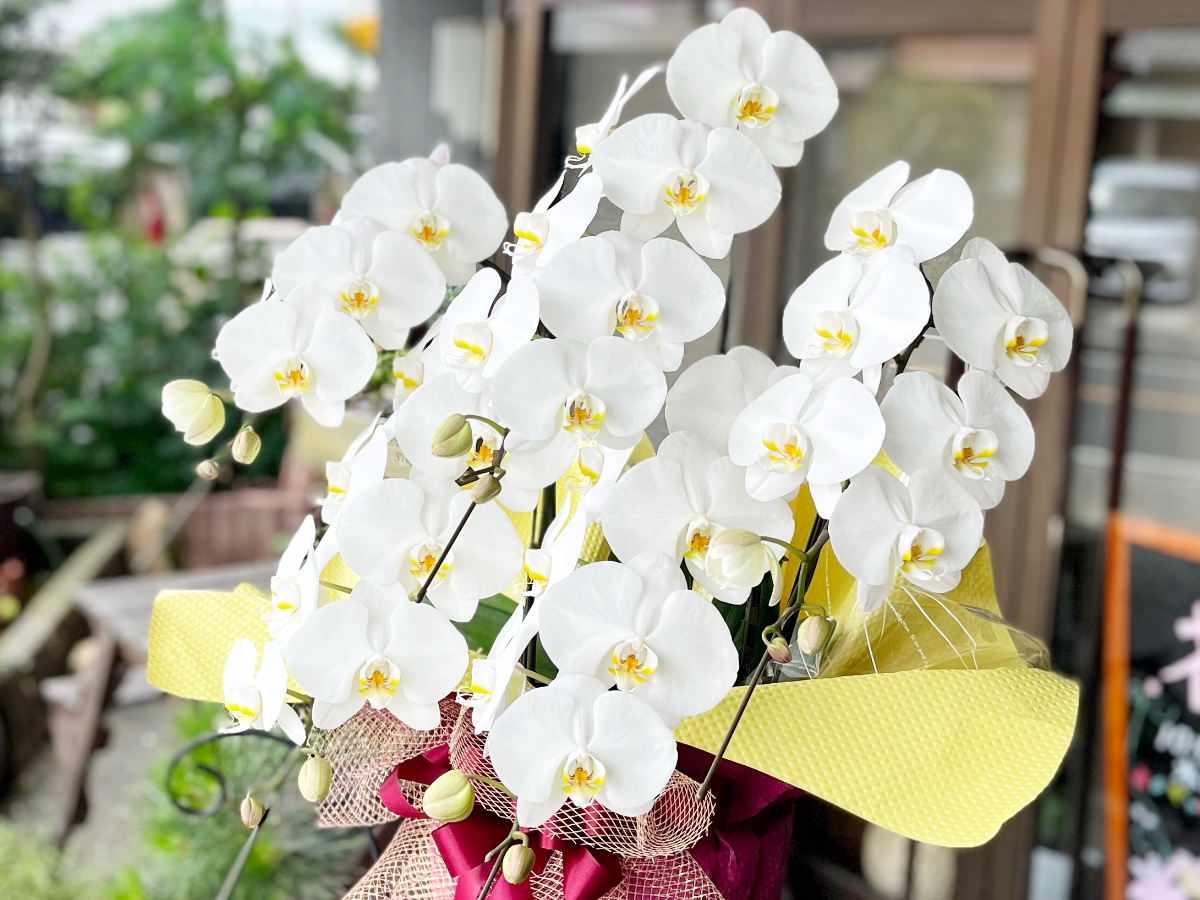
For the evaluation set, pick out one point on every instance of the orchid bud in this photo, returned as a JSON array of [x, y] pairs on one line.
[[193, 409], [518, 863], [315, 777], [208, 469], [486, 488], [452, 438], [814, 633], [779, 651], [252, 811], [736, 559], [450, 798], [246, 446]]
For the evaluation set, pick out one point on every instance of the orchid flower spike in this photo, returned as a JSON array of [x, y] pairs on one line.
[[928, 216], [361, 466], [712, 182], [495, 681], [375, 647], [449, 210], [927, 531], [795, 433], [380, 278], [855, 313], [998, 317], [300, 347], [259, 699], [589, 137], [676, 502], [396, 531], [645, 633], [606, 391], [658, 295], [480, 331], [574, 740], [552, 226], [774, 88], [712, 392], [981, 436], [295, 587]]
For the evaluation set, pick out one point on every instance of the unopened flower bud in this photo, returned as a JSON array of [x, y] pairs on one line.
[[193, 409], [246, 446], [736, 559], [315, 777], [208, 469], [486, 488], [450, 798], [252, 811], [518, 863], [452, 438], [813, 634], [779, 651]]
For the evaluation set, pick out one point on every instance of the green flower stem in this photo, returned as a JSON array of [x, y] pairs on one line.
[[496, 426], [336, 587], [799, 554], [490, 782]]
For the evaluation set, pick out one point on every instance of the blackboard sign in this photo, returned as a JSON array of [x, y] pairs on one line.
[[1151, 710]]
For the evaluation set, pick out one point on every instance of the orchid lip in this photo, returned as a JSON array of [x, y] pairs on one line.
[[633, 663], [582, 777], [971, 451], [785, 448]]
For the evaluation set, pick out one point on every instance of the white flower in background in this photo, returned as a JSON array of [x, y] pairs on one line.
[[409, 372], [677, 501], [479, 332], [712, 392], [794, 433], [574, 740], [774, 88], [712, 182], [854, 314], [589, 137], [380, 278], [659, 295], [928, 216], [996, 316], [295, 587], [551, 226], [193, 409], [637, 626], [495, 681], [981, 436], [928, 531], [607, 391], [528, 465], [448, 209], [377, 647], [259, 700], [299, 347], [395, 531], [362, 465]]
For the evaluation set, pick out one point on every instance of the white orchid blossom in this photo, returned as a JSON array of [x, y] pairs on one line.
[[659, 295], [606, 391], [409, 374], [927, 531], [446, 208], [589, 137], [794, 432], [380, 278], [712, 182], [928, 215], [395, 532], [854, 314], [774, 88], [377, 647], [296, 586], [361, 466], [981, 436], [298, 347], [676, 502], [480, 331], [712, 392], [998, 317], [551, 226], [495, 681], [576, 741], [259, 699], [638, 627]]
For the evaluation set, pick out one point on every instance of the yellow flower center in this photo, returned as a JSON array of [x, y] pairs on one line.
[[359, 298], [685, 192], [292, 377], [430, 229]]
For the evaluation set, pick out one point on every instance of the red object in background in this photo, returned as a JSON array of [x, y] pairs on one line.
[[1140, 778], [12, 573], [150, 210]]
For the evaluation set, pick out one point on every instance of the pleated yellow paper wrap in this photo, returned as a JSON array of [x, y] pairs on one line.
[[928, 718]]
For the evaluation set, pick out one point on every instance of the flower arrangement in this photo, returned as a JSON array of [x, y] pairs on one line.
[[799, 525]]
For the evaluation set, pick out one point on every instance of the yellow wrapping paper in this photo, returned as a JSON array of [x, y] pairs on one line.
[[928, 718]]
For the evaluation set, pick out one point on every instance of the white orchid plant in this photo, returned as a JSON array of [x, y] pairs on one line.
[[514, 377]]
